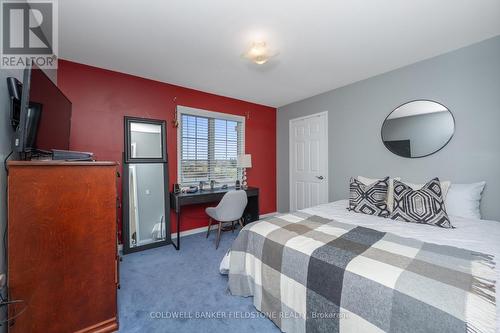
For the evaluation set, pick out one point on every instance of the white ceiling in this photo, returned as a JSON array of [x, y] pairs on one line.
[[322, 44]]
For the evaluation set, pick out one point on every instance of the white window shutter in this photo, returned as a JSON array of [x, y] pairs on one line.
[[209, 148]]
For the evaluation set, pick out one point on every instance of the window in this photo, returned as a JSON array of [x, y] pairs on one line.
[[208, 145]]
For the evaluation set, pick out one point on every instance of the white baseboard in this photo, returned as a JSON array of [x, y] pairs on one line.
[[190, 232], [204, 229], [199, 230], [268, 215]]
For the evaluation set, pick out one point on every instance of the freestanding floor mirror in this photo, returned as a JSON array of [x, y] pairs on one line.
[[146, 205]]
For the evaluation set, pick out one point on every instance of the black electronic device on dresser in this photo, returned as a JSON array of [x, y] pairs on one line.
[[41, 118], [40, 113]]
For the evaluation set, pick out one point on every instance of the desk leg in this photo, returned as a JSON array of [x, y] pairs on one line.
[[252, 209], [178, 245]]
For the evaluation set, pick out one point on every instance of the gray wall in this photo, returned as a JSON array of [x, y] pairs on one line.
[[467, 81], [5, 148], [426, 132]]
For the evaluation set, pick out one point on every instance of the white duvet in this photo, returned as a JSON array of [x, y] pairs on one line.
[[477, 235]]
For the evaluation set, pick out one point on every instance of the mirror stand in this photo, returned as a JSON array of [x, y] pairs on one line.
[[146, 205]]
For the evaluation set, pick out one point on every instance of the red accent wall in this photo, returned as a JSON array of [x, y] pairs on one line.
[[101, 98]]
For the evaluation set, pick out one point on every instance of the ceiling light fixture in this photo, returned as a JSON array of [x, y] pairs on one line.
[[259, 53]]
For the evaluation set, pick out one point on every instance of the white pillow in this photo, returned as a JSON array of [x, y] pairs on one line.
[[464, 200], [390, 190], [445, 186]]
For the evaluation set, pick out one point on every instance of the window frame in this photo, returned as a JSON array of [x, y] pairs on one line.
[[185, 110]]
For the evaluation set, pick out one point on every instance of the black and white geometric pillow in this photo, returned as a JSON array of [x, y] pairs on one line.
[[369, 199], [420, 206]]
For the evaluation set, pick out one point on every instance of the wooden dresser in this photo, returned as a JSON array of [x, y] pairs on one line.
[[62, 256]]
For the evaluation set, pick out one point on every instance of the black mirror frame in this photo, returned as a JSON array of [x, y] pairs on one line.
[[127, 148], [418, 100], [125, 186]]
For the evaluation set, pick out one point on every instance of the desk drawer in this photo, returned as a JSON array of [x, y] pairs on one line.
[[199, 199]]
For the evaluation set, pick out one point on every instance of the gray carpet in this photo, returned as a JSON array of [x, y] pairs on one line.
[[166, 283]]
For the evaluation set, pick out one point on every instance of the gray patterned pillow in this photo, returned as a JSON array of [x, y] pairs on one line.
[[369, 199], [420, 206]]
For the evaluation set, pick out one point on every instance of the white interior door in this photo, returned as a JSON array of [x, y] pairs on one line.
[[308, 161]]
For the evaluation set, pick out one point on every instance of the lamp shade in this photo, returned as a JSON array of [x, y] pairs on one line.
[[244, 161]]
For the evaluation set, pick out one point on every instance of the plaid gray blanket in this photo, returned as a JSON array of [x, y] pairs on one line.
[[310, 274]]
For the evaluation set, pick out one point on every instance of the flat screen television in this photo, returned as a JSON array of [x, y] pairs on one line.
[[42, 116]]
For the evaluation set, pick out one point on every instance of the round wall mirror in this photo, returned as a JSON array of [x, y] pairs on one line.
[[418, 128]]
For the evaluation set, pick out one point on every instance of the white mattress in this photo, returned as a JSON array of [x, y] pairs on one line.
[[477, 235]]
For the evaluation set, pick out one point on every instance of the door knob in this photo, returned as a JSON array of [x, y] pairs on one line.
[[320, 177]]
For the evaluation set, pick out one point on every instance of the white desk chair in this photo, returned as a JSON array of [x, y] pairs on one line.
[[229, 209]]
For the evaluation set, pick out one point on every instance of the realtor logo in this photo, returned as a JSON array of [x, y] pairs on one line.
[[29, 33]]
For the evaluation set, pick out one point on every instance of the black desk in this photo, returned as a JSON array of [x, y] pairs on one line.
[[207, 196]]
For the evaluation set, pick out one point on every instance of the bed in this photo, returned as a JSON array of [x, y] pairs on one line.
[[379, 276]]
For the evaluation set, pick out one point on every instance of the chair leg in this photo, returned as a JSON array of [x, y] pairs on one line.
[[241, 222], [209, 226], [232, 227], [218, 235]]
